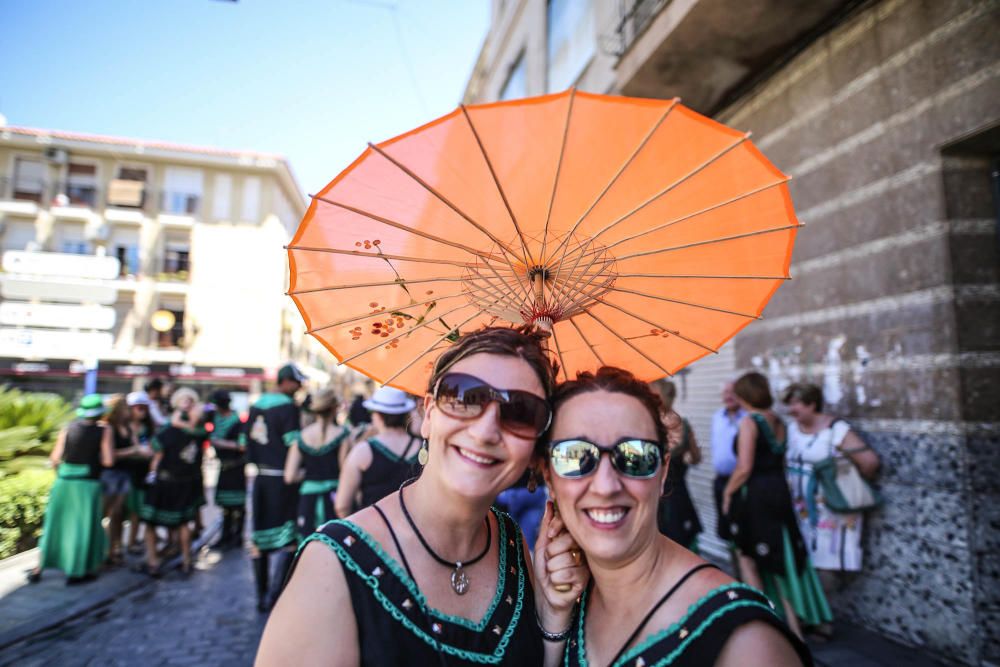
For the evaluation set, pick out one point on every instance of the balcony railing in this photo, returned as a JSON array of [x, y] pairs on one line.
[[24, 188], [119, 193], [68, 193], [634, 16], [179, 203]]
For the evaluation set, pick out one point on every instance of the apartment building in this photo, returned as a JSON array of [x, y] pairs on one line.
[[885, 113], [193, 238]]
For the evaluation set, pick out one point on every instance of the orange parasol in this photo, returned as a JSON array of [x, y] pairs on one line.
[[642, 234]]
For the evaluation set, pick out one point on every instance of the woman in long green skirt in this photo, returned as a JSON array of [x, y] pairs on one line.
[[72, 537]]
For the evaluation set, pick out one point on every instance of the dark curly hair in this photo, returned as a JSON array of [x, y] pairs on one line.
[[616, 381], [524, 342]]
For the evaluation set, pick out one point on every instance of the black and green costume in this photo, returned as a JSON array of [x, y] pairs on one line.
[[72, 537], [231, 489], [273, 426], [172, 499], [322, 466]]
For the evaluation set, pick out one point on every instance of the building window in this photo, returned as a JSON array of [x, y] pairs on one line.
[[29, 179], [129, 189], [128, 256], [74, 247], [18, 235], [181, 191], [572, 41], [174, 337], [251, 199], [223, 202], [176, 261], [516, 84], [80, 187]]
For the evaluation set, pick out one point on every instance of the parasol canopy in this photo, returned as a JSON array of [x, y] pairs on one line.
[[639, 232]]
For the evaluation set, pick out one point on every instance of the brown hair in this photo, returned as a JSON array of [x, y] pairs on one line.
[[524, 342], [118, 413], [754, 388], [805, 392], [615, 381]]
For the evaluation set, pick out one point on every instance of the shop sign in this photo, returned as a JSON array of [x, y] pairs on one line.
[[63, 290], [62, 265], [19, 313]]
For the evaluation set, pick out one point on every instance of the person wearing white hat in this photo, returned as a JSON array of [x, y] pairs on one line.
[[376, 467]]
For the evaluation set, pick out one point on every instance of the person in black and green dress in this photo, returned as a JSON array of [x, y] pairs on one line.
[[677, 518], [171, 496], [758, 505], [231, 489], [72, 537], [315, 460], [272, 427], [138, 464]]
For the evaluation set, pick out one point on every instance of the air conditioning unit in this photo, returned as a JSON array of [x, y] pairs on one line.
[[57, 155]]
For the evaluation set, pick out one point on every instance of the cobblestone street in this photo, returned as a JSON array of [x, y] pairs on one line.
[[209, 618]]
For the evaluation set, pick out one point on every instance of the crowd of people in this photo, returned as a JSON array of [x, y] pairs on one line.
[[396, 486]]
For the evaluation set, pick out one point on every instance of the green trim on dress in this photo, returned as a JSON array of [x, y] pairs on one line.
[[323, 449], [311, 486], [221, 425], [271, 400], [270, 539], [169, 518], [291, 437], [768, 433], [372, 581], [803, 590], [230, 498], [656, 637], [73, 471], [389, 454]]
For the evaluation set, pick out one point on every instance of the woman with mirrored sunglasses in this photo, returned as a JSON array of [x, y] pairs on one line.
[[430, 574], [650, 600]]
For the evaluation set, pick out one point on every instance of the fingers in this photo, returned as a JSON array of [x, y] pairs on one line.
[[564, 561], [542, 541], [569, 576], [559, 544]]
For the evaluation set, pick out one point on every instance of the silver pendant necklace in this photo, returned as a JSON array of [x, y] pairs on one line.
[[459, 579]]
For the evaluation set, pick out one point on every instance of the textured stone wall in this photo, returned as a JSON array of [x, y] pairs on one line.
[[894, 304]]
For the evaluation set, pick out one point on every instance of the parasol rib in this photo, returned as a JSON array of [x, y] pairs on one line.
[[427, 186], [405, 228], [709, 209], [385, 283], [646, 295], [673, 185], [432, 346], [586, 342], [389, 311], [379, 255], [401, 334], [691, 275], [735, 237], [614, 179], [629, 343], [657, 326], [562, 362], [567, 296], [555, 184], [528, 259]]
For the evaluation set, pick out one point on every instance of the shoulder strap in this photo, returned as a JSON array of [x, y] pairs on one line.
[[395, 540], [655, 607]]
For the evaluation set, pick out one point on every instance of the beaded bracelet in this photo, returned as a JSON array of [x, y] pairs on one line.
[[553, 636]]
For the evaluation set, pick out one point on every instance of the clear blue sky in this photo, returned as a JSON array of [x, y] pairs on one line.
[[313, 80]]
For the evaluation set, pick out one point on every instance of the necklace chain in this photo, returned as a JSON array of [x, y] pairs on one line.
[[434, 555]]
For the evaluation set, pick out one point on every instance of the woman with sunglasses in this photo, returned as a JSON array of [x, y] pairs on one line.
[[431, 575], [651, 601]]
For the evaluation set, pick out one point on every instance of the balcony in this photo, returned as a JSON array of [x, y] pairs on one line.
[[179, 203], [686, 48]]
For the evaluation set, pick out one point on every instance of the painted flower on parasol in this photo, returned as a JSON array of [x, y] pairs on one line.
[[640, 233]]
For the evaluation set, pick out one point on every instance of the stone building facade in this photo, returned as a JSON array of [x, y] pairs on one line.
[[887, 115]]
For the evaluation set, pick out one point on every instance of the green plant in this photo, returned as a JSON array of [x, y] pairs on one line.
[[47, 412], [22, 508]]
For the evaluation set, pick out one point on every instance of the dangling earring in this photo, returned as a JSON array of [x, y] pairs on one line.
[[532, 481], [423, 454]]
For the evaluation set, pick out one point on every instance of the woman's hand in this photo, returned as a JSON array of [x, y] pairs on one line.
[[561, 572], [726, 501]]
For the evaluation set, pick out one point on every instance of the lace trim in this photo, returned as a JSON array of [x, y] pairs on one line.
[[656, 637], [373, 581]]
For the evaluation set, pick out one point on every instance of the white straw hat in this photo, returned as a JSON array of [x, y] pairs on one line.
[[390, 401]]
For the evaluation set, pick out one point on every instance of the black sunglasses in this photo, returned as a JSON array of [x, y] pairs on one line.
[[632, 457], [465, 397]]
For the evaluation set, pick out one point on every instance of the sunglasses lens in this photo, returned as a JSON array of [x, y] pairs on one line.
[[637, 458], [574, 458], [525, 414], [461, 396]]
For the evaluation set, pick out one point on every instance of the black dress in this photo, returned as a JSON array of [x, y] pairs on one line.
[[397, 627], [697, 638], [231, 489], [677, 517], [322, 466], [388, 471], [172, 499], [761, 512], [272, 427]]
